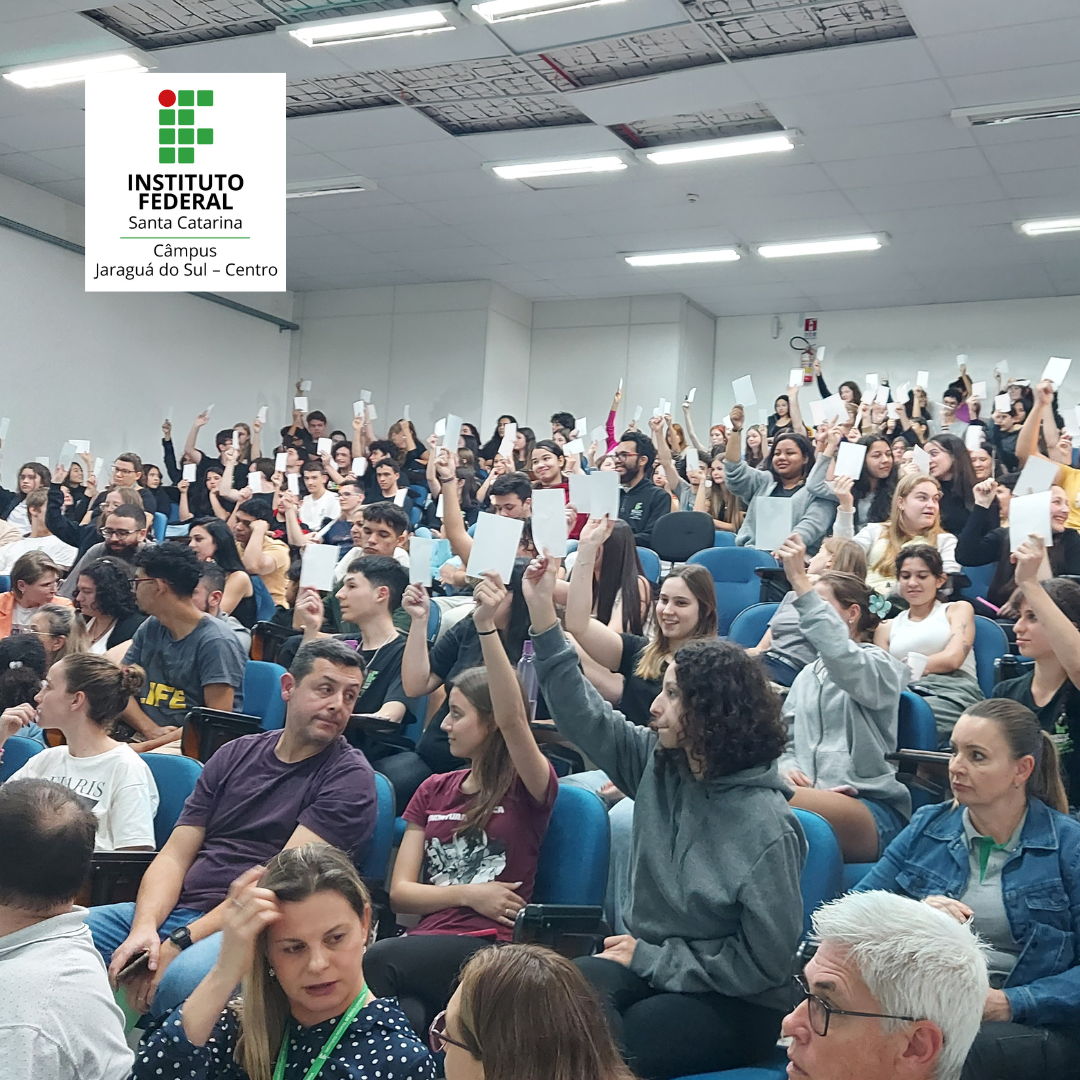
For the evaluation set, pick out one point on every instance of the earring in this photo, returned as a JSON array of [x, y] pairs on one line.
[[272, 973]]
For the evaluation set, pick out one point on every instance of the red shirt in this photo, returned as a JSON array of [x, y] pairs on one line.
[[507, 850], [582, 519]]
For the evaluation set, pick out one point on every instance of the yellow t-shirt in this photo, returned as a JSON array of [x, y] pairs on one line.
[[1069, 479], [275, 581]]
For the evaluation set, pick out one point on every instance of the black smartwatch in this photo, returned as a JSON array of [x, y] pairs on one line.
[[180, 937]]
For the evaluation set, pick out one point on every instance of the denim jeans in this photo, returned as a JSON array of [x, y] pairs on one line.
[[110, 926]]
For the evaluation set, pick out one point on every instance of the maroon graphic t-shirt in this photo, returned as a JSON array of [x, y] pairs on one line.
[[507, 850]]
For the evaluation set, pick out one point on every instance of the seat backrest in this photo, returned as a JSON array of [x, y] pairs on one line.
[[5, 583], [915, 729], [980, 578], [823, 873], [990, 643], [675, 537], [160, 521], [375, 861], [176, 778], [723, 539], [17, 752], [264, 602], [749, 626], [573, 863], [732, 564], [262, 693], [434, 621], [650, 564]]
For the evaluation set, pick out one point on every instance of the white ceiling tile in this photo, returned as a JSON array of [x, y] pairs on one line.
[[52, 37], [393, 125], [931, 18], [44, 131], [1043, 184], [30, 169], [540, 143], [871, 105], [72, 190], [907, 168], [407, 159], [1030, 156], [72, 159], [1017, 84], [395, 242], [255, 52], [469, 42], [936, 193], [880, 140], [312, 167], [1051, 42], [421, 185]]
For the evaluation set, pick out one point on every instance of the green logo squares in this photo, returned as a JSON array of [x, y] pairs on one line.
[[185, 97], [177, 134], [186, 155], [167, 117], [166, 156], [205, 136], [187, 117], [206, 97], [166, 135], [187, 136]]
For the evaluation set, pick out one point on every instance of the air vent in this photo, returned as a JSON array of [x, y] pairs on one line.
[[750, 119], [1016, 113], [306, 97]]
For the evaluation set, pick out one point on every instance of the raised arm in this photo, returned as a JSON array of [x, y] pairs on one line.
[[453, 520], [663, 450], [507, 703], [1062, 634], [290, 503], [416, 675], [255, 559], [602, 643], [168, 453], [795, 410], [256, 438], [189, 446], [1027, 442], [694, 440]]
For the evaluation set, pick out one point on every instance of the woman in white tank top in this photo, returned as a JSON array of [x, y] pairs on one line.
[[933, 638]]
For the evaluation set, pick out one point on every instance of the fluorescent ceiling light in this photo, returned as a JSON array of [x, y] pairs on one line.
[[72, 71], [566, 167], [373, 27], [740, 146], [1017, 112], [504, 10], [338, 185], [1049, 226], [820, 247], [684, 258]]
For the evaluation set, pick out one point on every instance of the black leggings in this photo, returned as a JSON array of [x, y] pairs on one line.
[[1009, 1051], [421, 971], [662, 1035]]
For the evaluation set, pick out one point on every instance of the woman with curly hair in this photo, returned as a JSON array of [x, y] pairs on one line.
[[108, 614], [842, 712], [700, 980]]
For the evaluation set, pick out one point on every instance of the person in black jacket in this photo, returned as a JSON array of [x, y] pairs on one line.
[[642, 502], [31, 475], [107, 612]]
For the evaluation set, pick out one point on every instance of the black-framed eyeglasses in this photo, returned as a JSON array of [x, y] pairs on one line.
[[820, 1011], [137, 581], [437, 1037], [623, 455], [118, 534]]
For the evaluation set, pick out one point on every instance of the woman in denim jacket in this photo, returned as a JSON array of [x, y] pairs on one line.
[[1005, 857]]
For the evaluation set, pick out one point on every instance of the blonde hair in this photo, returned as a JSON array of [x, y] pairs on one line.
[[62, 622], [847, 556], [894, 533]]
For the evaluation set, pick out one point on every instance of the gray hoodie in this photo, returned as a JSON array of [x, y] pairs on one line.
[[811, 516], [842, 710], [715, 864]]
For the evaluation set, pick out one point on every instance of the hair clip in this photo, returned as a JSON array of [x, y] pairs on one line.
[[879, 605]]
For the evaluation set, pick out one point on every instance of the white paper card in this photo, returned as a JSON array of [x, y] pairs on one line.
[[255, 482], [1057, 367], [67, 455], [659, 410], [439, 507], [598, 435], [81, 446], [574, 446], [580, 492], [323, 446], [1037, 476], [281, 461], [359, 466], [834, 407], [371, 413], [773, 525], [892, 411], [849, 460], [264, 411], [365, 395], [872, 380], [820, 354], [406, 416], [99, 464], [581, 425], [305, 386], [725, 423], [452, 432], [882, 395], [901, 392], [358, 408], [236, 440], [689, 397], [191, 472], [292, 482], [400, 496], [692, 459], [208, 410], [917, 661], [5, 423], [1029, 514], [961, 360], [817, 412], [921, 460], [42, 461], [637, 415], [440, 428], [506, 447], [494, 545], [978, 390], [1002, 367], [973, 436], [1002, 403], [794, 377], [922, 379], [300, 403], [549, 521], [420, 549], [317, 562], [743, 389], [170, 412], [605, 494]]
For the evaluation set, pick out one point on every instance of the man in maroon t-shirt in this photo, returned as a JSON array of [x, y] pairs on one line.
[[257, 795]]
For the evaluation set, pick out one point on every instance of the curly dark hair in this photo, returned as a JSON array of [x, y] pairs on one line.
[[112, 584], [731, 713]]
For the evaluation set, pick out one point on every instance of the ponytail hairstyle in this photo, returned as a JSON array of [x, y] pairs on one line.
[[493, 769], [849, 589], [106, 685], [1026, 738], [63, 622]]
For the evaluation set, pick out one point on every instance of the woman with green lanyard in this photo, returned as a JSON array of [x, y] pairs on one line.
[[294, 936]]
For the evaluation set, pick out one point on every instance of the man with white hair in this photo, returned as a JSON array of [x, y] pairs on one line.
[[895, 991]]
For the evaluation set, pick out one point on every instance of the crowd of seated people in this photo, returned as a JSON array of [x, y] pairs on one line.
[[481, 696]]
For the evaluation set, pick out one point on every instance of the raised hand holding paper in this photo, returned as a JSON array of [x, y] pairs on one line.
[[882, 396], [292, 482], [191, 472], [817, 412], [1002, 403], [849, 460], [978, 391], [973, 437], [264, 411], [405, 414], [574, 446], [358, 408], [236, 440], [923, 379], [440, 428], [961, 361], [420, 550], [1037, 476], [689, 397], [495, 545], [872, 380], [365, 396], [581, 425], [359, 466], [255, 482], [637, 416], [452, 432], [773, 522], [305, 386], [692, 459], [794, 377], [5, 423], [921, 460], [506, 447], [281, 461], [317, 562], [99, 464], [300, 404], [605, 494], [82, 446], [743, 389], [1030, 514], [323, 446], [549, 521], [834, 407], [1057, 367]]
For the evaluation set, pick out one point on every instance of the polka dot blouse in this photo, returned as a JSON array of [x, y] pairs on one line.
[[379, 1045]]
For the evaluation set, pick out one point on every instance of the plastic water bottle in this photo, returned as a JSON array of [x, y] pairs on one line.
[[526, 668]]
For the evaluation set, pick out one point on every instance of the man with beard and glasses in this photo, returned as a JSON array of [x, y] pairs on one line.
[[124, 532]]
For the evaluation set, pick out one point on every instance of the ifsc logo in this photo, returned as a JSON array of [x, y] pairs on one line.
[[178, 134]]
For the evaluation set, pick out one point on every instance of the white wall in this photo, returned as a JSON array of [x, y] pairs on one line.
[[901, 341], [106, 366]]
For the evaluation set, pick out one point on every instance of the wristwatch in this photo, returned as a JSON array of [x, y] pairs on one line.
[[180, 937]]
